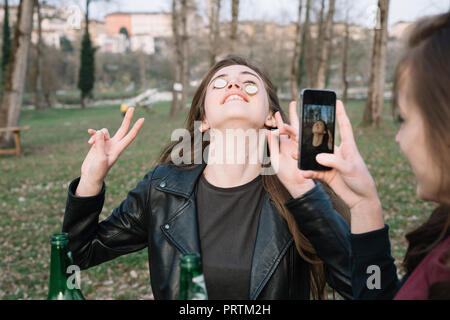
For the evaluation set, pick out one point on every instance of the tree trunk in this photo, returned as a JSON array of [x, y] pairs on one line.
[[318, 44], [38, 79], [48, 99], [375, 97], [296, 57], [214, 30], [83, 102], [345, 59], [234, 25], [301, 59], [15, 78], [324, 45], [309, 56], [177, 66], [142, 69], [6, 47], [185, 55]]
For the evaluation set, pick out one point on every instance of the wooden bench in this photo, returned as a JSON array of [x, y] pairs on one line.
[[17, 149]]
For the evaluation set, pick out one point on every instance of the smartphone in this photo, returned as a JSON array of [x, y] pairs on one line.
[[317, 125]]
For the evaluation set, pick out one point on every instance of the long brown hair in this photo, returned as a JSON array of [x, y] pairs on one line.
[[426, 65], [271, 183]]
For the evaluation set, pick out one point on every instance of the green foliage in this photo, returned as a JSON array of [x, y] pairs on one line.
[[86, 77], [66, 45]]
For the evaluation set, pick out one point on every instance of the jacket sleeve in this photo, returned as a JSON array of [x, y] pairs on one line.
[[374, 275], [124, 231], [329, 234]]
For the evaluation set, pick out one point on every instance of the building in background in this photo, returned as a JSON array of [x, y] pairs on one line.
[[152, 31], [142, 29], [136, 31]]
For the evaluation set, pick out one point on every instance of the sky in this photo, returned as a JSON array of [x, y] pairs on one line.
[[362, 11], [280, 11]]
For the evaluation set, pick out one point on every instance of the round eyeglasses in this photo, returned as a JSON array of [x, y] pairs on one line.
[[250, 88]]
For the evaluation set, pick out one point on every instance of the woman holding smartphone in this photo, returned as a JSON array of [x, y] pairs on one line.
[[260, 236], [422, 96]]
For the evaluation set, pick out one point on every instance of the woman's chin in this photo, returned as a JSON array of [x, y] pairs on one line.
[[424, 194], [239, 119]]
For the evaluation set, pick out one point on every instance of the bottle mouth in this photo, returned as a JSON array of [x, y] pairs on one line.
[[59, 238], [190, 260]]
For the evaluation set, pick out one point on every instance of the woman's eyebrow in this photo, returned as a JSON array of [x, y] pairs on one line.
[[251, 73], [224, 75]]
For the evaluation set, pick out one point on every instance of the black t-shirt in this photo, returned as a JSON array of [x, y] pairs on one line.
[[310, 153], [228, 222]]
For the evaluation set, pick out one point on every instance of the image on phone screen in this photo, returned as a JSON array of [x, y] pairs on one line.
[[317, 136]]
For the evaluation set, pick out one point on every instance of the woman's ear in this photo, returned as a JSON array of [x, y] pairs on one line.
[[204, 126], [270, 121]]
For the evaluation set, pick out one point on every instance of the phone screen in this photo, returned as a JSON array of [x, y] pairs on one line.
[[318, 112]]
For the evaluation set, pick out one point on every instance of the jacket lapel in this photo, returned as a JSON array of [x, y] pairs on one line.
[[181, 182], [273, 238]]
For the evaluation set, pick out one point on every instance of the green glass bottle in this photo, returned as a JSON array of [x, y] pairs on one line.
[[192, 281], [63, 284]]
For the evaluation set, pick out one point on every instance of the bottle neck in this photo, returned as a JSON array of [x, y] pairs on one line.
[[58, 267]]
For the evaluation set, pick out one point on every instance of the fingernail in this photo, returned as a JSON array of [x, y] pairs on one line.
[[90, 140]]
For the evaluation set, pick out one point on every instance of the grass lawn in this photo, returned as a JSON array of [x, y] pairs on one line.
[[33, 192]]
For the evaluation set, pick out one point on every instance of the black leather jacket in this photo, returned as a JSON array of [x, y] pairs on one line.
[[160, 214]]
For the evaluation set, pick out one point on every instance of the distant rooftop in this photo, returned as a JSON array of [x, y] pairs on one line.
[[135, 12]]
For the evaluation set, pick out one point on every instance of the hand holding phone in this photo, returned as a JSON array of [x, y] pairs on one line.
[[317, 126], [350, 179]]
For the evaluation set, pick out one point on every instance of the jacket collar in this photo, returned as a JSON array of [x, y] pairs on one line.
[[273, 237], [180, 181]]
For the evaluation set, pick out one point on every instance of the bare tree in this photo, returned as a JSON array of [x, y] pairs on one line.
[[214, 29], [178, 58], [39, 49], [142, 57], [296, 57], [324, 44], [185, 52], [301, 60], [316, 46], [15, 77], [180, 10], [345, 55], [308, 45], [234, 24], [375, 98]]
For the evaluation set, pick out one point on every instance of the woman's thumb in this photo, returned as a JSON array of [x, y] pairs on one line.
[[332, 161], [100, 141]]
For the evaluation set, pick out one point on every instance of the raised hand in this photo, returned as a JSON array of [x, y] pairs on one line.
[[104, 153], [283, 157]]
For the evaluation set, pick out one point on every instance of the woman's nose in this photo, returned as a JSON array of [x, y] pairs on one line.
[[397, 137], [233, 83]]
